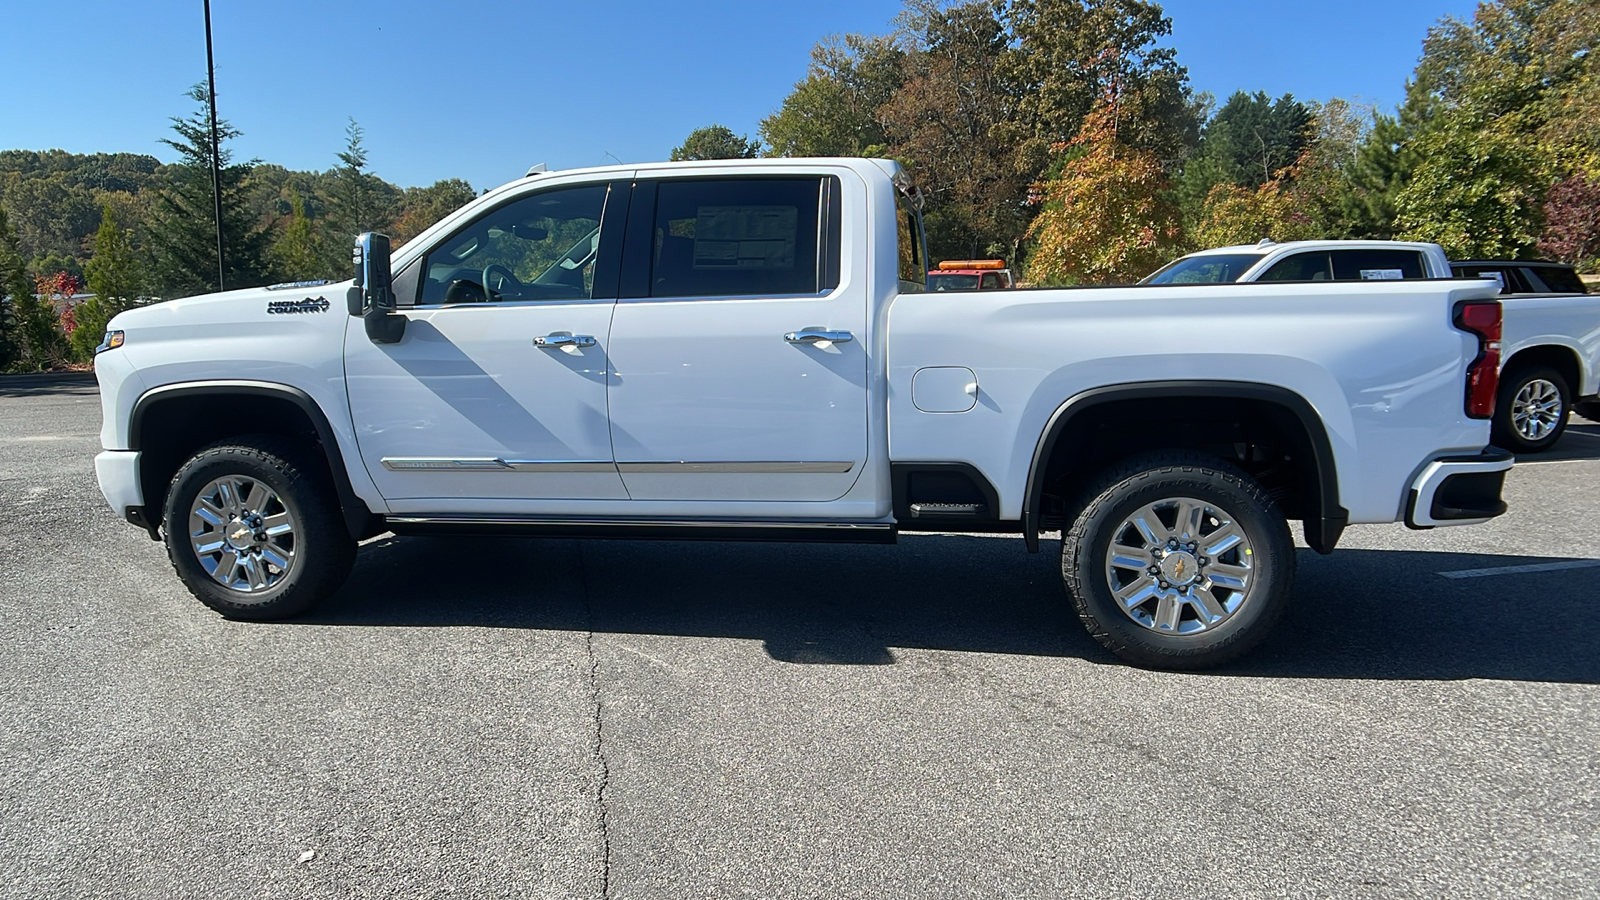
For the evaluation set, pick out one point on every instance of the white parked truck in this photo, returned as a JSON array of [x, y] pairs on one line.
[[1550, 349], [742, 350]]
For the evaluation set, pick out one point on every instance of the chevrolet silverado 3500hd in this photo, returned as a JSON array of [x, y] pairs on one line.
[[742, 350]]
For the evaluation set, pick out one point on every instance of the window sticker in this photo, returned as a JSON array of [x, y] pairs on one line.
[[745, 237], [1382, 274]]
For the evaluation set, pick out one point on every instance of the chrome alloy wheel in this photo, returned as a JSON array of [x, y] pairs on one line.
[[242, 533], [1180, 566], [1536, 410]]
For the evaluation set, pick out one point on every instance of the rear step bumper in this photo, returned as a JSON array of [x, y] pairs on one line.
[[1459, 490]]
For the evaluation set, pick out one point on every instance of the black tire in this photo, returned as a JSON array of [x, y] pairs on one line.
[[322, 549], [1512, 383], [1589, 409], [1151, 480]]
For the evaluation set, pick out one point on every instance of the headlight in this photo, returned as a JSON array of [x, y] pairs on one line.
[[113, 341]]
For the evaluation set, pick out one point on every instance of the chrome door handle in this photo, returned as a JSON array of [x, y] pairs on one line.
[[818, 337], [564, 340]]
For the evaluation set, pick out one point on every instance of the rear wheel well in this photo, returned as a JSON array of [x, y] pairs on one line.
[[1557, 357], [169, 429], [1268, 440]]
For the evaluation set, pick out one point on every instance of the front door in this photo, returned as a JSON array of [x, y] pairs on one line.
[[495, 399], [739, 359]]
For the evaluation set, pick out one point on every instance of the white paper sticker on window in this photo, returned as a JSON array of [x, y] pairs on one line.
[[1382, 274], [745, 237]]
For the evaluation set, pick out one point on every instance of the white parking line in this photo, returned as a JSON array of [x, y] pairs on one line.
[[1515, 570]]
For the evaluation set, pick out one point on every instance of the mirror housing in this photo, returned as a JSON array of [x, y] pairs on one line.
[[372, 295]]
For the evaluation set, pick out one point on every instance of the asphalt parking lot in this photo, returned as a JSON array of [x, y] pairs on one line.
[[522, 718]]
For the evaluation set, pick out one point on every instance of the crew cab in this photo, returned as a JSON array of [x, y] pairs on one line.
[[1550, 348], [745, 350]]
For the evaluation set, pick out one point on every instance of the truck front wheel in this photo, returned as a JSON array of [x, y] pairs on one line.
[[253, 528], [1178, 560]]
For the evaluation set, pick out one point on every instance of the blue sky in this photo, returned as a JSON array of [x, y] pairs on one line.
[[483, 90]]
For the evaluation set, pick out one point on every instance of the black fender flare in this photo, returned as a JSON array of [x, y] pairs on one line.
[[358, 518], [1322, 528]]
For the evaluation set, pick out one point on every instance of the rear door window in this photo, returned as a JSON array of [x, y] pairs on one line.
[[1377, 265], [739, 237]]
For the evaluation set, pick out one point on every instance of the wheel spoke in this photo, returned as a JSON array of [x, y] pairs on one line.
[[1187, 525], [1233, 578], [210, 514], [1167, 611], [1207, 605], [204, 545], [225, 566], [1150, 526], [256, 497], [1135, 593], [252, 571], [273, 555], [278, 524], [1125, 557], [1223, 539]]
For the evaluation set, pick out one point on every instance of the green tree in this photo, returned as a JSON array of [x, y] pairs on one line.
[[115, 279], [15, 287], [1477, 191], [716, 142], [41, 341], [298, 254], [1249, 141], [183, 230], [421, 207], [1065, 57], [948, 122], [834, 111], [1107, 216]]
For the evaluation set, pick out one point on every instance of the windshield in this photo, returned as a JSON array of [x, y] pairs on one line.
[[944, 281], [1212, 268]]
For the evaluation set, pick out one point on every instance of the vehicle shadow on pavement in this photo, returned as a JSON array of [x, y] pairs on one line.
[[1367, 614]]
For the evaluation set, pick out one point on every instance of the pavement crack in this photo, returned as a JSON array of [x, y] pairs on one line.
[[599, 745]]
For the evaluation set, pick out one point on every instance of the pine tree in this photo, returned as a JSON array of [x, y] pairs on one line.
[[114, 279], [15, 288], [183, 231]]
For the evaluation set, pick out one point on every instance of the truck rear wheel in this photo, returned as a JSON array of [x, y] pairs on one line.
[[253, 528], [1531, 410], [1178, 560]]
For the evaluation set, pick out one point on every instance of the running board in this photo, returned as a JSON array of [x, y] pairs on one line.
[[650, 529]]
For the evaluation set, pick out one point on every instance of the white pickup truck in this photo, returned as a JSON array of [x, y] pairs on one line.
[[1550, 346], [741, 350]]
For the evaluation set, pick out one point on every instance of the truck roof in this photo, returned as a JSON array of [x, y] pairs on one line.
[[1274, 246]]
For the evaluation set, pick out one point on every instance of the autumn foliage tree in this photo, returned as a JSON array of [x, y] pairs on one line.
[[1108, 216]]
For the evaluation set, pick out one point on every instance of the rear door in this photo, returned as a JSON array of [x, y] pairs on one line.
[[740, 370]]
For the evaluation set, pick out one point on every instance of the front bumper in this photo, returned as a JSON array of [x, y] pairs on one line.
[[1459, 490]]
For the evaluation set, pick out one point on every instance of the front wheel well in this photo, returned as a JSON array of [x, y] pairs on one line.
[[1267, 438], [170, 427]]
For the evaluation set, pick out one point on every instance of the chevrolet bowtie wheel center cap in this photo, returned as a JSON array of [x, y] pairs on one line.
[[1180, 568]]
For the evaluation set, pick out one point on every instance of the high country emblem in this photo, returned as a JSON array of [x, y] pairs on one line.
[[287, 307]]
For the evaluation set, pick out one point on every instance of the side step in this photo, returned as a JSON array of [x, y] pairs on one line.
[[650, 529]]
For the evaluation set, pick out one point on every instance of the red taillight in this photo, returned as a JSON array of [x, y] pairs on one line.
[[1482, 318]]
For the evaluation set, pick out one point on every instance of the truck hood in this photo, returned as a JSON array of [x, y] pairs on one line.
[[263, 307]]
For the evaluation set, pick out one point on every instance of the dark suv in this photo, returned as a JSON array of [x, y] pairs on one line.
[[1523, 277]]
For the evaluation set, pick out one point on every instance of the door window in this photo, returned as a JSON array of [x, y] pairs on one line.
[[1377, 265], [1300, 267], [542, 246], [745, 237]]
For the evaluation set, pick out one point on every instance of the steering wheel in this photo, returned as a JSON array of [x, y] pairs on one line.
[[506, 279]]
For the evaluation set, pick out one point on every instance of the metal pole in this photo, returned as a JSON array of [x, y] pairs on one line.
[[216, 170]]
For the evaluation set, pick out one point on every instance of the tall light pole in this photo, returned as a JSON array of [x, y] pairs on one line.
[[216, 164]]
